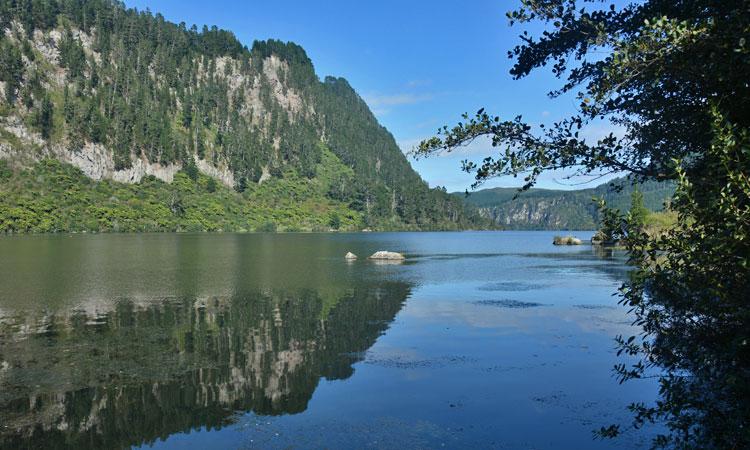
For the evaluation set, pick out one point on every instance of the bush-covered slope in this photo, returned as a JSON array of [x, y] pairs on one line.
[[53, 196], [123, 94], [549, 209]]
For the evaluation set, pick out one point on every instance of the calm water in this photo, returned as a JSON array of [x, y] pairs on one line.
[[478, 340]]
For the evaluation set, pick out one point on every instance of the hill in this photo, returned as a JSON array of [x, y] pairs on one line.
[[126, 97], [549, 209]]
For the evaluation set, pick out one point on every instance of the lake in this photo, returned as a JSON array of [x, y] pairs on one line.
[[477, 340]]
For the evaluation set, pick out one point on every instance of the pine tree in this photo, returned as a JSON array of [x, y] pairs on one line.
[[638, 211], [43, 118], [11, 69]]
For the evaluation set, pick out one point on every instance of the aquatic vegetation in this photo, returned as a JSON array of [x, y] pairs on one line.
[[508, 303]]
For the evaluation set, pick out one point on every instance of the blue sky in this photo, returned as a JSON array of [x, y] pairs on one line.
[[419, 64]]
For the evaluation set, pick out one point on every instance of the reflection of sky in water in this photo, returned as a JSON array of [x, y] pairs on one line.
[[503, 340]]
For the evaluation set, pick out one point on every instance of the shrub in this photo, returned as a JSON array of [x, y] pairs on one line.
[[268, 226]]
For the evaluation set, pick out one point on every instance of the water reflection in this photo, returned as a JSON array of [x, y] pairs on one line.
[[142, 371], [133, 340]]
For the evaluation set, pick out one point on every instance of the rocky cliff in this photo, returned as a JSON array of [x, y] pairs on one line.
[[547, 209]]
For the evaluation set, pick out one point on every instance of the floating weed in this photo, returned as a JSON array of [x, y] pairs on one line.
[[512, 286], [508, 303]]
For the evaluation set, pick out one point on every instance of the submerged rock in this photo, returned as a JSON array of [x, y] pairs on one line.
[[350, 256], [384, 255], [566, 240]]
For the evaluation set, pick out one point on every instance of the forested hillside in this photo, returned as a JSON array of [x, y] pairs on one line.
[[125, 95], [549, 209]]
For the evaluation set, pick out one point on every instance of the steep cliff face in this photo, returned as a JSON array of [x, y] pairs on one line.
[[542, 212], [547, 209], [123, 95]]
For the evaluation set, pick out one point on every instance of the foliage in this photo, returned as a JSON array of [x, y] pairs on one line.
[[673, 75], [611, 231], [334, 221], [56, 197], [268, 226], [362, 143], [11, 69], [690, 297], [637, 212], [5, 171], [659, 222]]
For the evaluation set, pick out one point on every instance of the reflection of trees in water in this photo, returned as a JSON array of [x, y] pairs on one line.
[[607, 252], [142, 372]]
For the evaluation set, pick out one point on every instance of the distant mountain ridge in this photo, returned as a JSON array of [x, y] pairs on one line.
[[125, 96], [550, 209]]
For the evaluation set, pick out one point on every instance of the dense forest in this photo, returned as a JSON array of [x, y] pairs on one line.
[[126, 96], [550, 209]]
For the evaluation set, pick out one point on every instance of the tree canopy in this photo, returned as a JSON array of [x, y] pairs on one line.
[[674, 76]]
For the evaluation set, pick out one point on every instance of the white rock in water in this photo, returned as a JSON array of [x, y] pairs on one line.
[[566, 240], [387, 255], [350, 256]]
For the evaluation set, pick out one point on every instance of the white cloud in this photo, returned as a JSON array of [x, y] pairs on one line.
[[418, 83], [376, 100], [408, 145], [380, 111], [481, 146]]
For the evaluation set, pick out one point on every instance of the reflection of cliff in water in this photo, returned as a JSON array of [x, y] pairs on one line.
[[141, 372]]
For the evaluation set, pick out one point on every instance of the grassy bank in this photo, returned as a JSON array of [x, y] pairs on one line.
[[657, 223]]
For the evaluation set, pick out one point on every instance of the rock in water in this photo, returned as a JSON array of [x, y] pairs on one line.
[[567, 240], [350, 256], [387, 255]]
